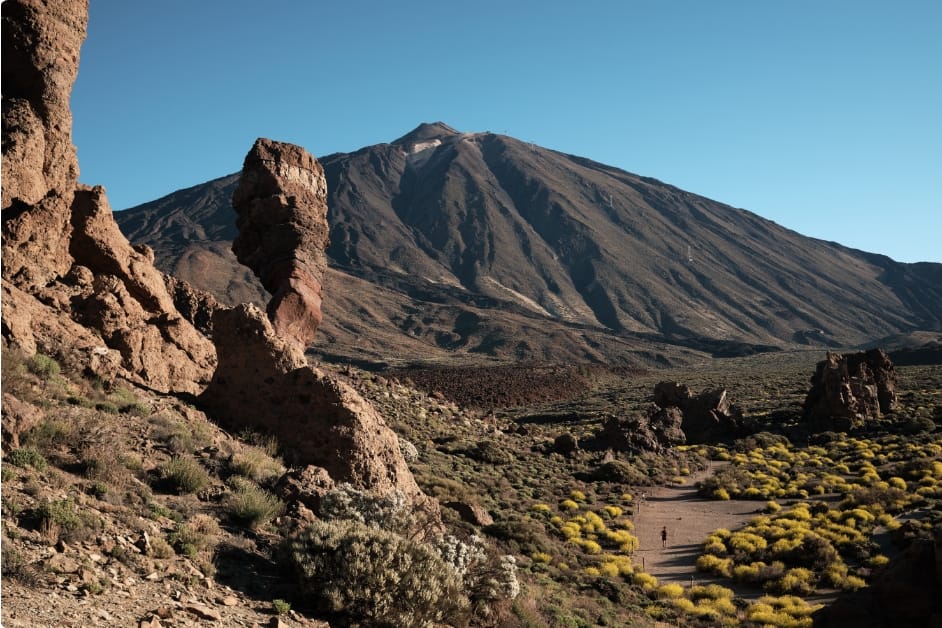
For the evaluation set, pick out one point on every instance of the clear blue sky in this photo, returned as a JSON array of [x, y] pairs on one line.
[[824, 116]]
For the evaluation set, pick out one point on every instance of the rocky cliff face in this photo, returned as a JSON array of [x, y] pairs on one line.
[[73, 286]]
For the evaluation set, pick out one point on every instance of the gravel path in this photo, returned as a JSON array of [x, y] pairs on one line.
[[689, 519]]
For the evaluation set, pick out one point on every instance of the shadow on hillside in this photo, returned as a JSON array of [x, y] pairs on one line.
[[253, 574]]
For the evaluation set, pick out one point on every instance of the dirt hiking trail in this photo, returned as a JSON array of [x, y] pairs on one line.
[[689, 518]]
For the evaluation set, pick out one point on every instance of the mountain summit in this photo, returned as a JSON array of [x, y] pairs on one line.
[[476, 243], [425, 132]]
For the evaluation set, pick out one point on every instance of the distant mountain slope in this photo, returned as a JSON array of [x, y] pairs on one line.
[[471, 238]]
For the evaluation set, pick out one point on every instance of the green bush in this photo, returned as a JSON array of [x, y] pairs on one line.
[[253, 506], [61, 513], [27, 457], [49, 434], [200, 533], [361, 574], [256, 464], [43, 366], [185, 475], [61, 519], [387, 512]]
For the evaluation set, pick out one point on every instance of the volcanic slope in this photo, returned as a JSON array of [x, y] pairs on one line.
[[445, 242]]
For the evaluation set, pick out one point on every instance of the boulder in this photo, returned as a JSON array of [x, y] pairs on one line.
[[130, 306], [658, 430], [18, 418], [848, 390], [470, 512], [707, 417], [305, 485], [195, 305], [281, 206], [263, 382], [566, 444], [671, 394]]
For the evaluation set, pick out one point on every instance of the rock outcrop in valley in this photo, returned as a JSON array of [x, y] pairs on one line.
[[847, 390]]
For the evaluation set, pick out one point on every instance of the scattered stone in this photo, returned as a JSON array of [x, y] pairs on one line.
[[229, 600], [143, 543], [149, 622], [164, 612], [472, 513], [60, 563], [566, 444], [202, 611]]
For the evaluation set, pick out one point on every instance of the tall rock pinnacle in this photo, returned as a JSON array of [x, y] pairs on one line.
[[281, 202]]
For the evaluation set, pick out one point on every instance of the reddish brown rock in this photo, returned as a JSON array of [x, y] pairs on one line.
[[263, 382], [471, 513], [658, 430], [848, 390], [668, 394], [305, 485], [40, 62], [707, 417], [196, 306], [18, 417], [281, 204], [41, 43], [73, 286]]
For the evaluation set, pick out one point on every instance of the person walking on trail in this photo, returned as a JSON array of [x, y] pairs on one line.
[[664, 536]]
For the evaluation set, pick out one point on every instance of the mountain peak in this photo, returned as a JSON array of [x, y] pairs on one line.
[[427, 131]]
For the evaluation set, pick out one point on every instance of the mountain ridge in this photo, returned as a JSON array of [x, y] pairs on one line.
[[485, 219]]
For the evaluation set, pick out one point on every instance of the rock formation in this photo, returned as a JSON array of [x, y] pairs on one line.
[[263, 380], [708, 416], [848, 390], [41, 43], [73, 286], [658, 430], [281, 202]]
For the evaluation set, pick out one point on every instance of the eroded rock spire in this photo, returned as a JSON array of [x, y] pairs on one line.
[[281, 204]]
